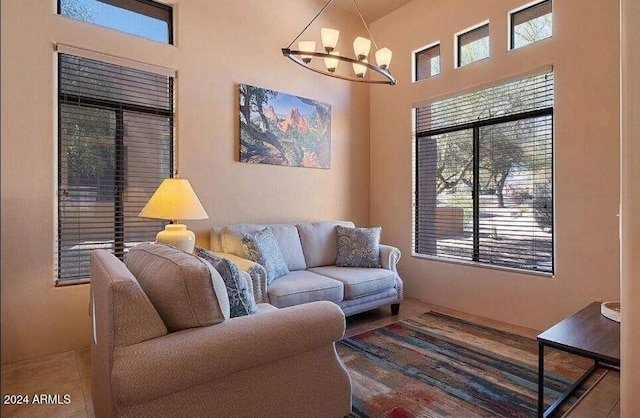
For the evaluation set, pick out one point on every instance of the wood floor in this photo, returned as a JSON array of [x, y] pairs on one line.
[[69, 373]]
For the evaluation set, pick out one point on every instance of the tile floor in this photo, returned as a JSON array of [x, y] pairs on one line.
[[69, 373]]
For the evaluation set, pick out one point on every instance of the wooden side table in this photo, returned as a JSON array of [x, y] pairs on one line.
[[586, 333]]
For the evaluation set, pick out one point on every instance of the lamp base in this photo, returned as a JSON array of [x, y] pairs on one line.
[[177, 235]]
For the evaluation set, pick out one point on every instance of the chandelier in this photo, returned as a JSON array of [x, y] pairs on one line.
[[331, 58]]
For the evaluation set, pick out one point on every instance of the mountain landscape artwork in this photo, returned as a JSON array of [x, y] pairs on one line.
[[281, 129]]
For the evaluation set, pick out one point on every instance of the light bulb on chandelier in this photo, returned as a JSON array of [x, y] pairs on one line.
[[383, 57], [332, 63], [361, 47], [359, 69], [306, 46], [329, 38]]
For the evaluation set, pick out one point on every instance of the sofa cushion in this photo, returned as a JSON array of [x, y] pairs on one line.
[[266, 307], [366, 303], [241, 300], [186, 291], [262, 248], [358, 247], [304, 286], [359, 281], [319, 242], [286, 235]]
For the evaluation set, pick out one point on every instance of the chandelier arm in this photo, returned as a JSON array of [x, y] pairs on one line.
[[309, 24], [341, 77], [365, 25], [294, 55]]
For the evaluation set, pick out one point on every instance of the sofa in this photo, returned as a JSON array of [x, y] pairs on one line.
[[310, 250], [163, 345]]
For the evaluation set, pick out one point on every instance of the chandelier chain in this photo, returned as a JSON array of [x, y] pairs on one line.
[[309, 24], [365, 24]]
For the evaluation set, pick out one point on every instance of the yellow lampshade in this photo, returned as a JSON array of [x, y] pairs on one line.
[[383, 57], [361, 46], [174, 199], [329, 38]]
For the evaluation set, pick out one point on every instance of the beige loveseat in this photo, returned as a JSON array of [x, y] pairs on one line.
[[310, 251], [277, 363]]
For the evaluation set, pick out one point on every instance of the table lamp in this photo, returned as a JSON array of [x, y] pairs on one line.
[[175, 199]]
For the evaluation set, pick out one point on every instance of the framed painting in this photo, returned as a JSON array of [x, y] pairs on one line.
[[281, 129]]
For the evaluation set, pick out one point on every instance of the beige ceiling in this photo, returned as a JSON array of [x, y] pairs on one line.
[[372, 10]]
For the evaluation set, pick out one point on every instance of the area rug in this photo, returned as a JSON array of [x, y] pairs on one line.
[[435, 365]]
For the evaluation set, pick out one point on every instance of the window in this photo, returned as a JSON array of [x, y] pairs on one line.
[[473, 45], [144, 18], [531, 24], [484, 176], [115, 145], [427, 62]]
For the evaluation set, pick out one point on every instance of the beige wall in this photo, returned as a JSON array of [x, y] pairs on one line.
[[586, 68], [218, 45], [630, 378]]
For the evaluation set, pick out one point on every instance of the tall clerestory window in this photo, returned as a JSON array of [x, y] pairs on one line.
[[484, 176]]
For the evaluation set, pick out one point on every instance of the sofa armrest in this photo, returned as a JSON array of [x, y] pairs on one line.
[[389, 257], [257, 273], [185, 359]]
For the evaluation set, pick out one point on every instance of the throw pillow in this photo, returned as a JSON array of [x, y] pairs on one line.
[[358, 247], [319, 242], [241, 300], [262, 248]]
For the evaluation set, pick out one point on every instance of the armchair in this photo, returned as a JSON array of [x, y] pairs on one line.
[[278, 363]]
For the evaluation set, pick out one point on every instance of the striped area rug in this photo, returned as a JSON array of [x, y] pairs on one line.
[[435, 365]]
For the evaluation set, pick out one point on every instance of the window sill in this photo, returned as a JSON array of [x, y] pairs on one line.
[[72, 282], [483, 265]]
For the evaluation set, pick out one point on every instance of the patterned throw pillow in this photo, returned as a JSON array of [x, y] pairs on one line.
[[241, 300], [358, 247], [262, 248]]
